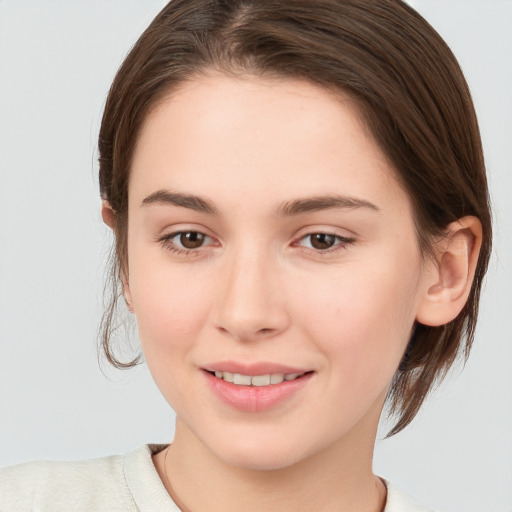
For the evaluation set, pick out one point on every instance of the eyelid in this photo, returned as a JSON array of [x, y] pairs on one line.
[[174, 234], [166, 240], [171, 231], [342, 242]]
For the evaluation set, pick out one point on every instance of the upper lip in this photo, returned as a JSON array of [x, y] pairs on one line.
[[253, 368]]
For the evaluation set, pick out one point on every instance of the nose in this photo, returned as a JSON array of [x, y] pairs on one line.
[[252, 304]]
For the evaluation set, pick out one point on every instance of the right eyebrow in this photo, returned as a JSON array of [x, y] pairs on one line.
[[178, 199]]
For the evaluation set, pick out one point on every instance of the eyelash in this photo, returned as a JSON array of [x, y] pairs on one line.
[[166, 242], [342, 243]]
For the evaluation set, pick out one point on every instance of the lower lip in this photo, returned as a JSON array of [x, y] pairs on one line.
[[256, 398]]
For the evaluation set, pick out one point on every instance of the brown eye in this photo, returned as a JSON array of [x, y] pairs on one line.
[[322, 241], [191, 239], [325, 243], [186, 243]]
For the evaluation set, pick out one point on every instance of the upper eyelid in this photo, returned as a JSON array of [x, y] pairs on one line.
[[166, 242], [342, 232], [171, 233], [341, 238], [324, 232], [174, 234]]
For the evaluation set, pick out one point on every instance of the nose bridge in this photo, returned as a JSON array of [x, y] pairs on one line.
[[251, 303]]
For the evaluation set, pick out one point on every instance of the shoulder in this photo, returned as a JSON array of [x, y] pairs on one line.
[[93, 485], [119, 483], [398, 501]]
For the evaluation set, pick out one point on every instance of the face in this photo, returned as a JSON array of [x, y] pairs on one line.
[[270, 244]]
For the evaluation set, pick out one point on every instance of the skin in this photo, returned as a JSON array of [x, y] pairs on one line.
[[259, 290]]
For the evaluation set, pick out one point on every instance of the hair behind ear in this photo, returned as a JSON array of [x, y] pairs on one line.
[[442, 317]]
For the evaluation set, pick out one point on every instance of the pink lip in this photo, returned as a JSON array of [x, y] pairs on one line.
[[260, 368], [253, 398]]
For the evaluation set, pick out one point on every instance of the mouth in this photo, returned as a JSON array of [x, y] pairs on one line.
[[253, 393], [270, 379], [257, 386]]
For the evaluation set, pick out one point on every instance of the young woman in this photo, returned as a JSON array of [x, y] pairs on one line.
[[299, 201]]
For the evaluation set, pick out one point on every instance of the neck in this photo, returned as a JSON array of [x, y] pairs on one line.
[[339, 477]]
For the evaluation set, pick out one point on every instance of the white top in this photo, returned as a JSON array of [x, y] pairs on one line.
[[119, 483]]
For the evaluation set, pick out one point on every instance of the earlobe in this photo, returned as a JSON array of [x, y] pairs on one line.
[[108, 215], [449, 282]]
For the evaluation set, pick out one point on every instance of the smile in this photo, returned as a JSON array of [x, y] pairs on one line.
[[257, 393], [256, 380]]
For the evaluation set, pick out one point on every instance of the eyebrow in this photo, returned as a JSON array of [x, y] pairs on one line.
[[286, 209], [317, 203], [178, 199]]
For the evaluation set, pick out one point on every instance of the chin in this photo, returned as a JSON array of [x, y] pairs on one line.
[[259, 453], [260, 461]]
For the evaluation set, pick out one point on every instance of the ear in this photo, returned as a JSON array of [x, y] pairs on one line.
[[109, 218], [108, 215], [450, 278]]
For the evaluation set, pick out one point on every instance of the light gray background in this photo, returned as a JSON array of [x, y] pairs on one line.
[[57, 59]]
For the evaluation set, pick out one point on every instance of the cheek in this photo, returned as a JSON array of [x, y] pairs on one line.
[[170, 304], [362, 316]]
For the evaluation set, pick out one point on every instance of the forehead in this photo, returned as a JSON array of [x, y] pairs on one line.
[[257, 138]]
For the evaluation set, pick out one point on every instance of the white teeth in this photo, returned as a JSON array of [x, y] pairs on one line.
[[260, 380], [276, 378], [228, 377], [256, 380], [244, 380]]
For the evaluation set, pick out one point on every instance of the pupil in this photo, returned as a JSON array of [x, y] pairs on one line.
[[191, 239], [322, 241]]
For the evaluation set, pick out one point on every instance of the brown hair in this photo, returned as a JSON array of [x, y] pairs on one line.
[[407, 85]]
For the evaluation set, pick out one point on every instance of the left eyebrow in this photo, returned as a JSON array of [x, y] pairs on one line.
[[317, 203]]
